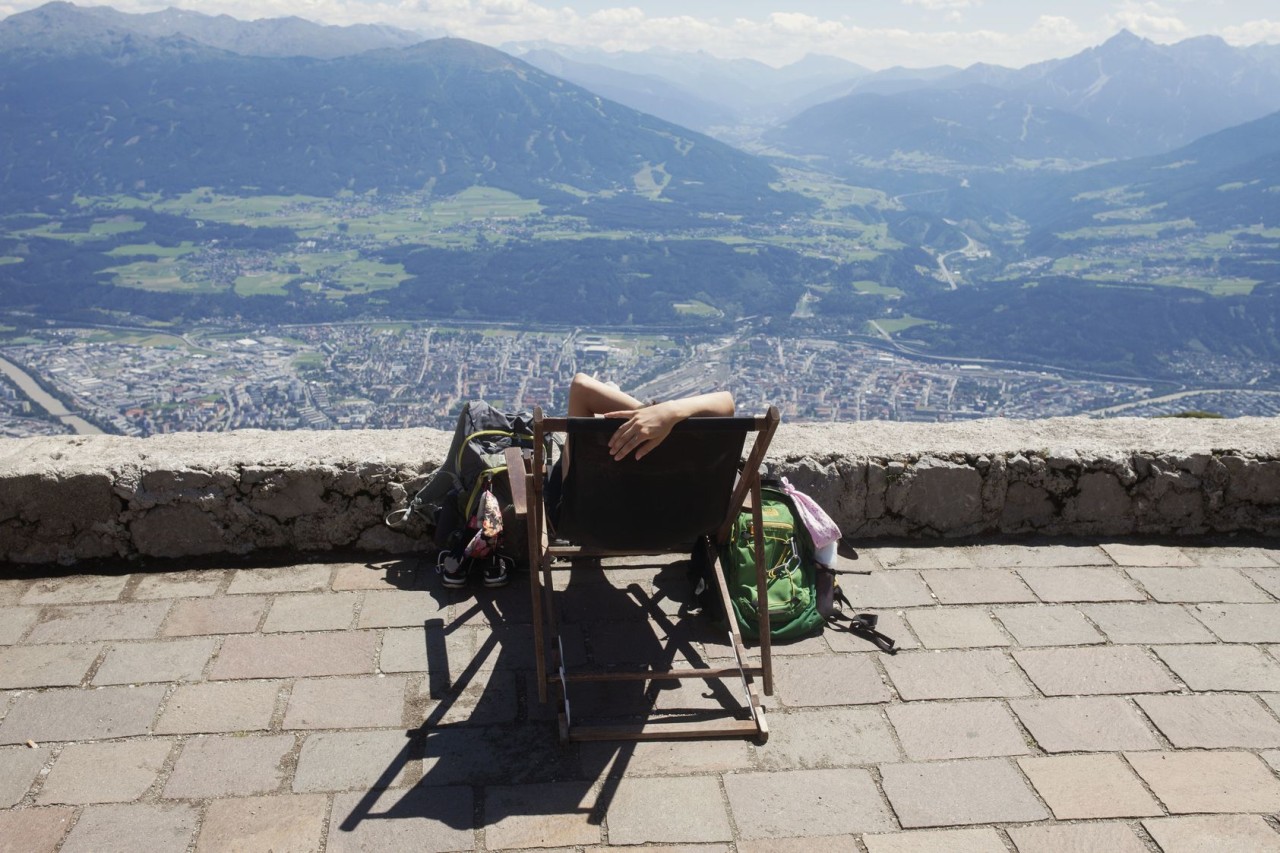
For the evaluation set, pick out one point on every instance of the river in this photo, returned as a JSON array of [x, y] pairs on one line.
[[41, 398]]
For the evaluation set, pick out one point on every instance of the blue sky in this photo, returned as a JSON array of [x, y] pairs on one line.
[[875, 33]]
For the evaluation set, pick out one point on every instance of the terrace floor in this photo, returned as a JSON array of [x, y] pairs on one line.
[[1061, 697]]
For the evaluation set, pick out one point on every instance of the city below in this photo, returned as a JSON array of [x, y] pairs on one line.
[[396, 375]]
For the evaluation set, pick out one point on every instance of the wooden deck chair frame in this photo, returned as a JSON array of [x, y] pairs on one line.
[[528, 500]]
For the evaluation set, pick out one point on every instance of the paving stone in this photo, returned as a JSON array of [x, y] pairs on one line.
[[1272, 757], [82, 623], [1018, 556], [1147, 623], [933, 730], [1077, 787], [669, 810], [923, 557], [283, 824], [301, 578], [311, 612], [979, 840], [557, 815], [793, 803], [1212, 721], [1108, 669], [954, 675], [104, 772], [1199, 833], [1268, 579], [424, 820], [757, 845], [1219, 782], [891, 625], [490, 697], [336, 703], [75, 589], [392, 574], [19, 766], [977, 586], [886, 589], [1272, 700], [679, 757], [1084, 724], [228, 766], [300, 655], [158, 660], [1221, 667], [1201, 584], [955, 628], [1048, 625], [1236, 558], [1080, 584], [153, 827], [12, 590], [395, 608], [405, 650], [192, 583], [500, 755], [46, 666], [828, 680], [1241, 623], [221, 615], [957, 793], [34, 830], [14, 622], [1146, 555], [345, 761], [828, 737], [219, 706], [73, 714], [1077, 838]]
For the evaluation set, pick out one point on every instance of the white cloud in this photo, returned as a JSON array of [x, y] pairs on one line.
[[1148, 19], [1252, 32], [949, 5]]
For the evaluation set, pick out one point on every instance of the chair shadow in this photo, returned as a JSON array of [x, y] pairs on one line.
[[485, 727]]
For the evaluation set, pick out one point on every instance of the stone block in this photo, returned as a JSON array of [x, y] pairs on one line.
[[1080, 584], [954, 675], [1197, 833], [891, 625], [977, 586], [34, 830], [311, 612], [501, 755], [1209, 782], [307, 577], [826, 737], [1026, 507], [1233, 558], [220, 615], [46, 666], [1268, 579], [335, 703], [19, 767], [1147, 623], [1081, 671], [1100, 498], [1079, 787], [74, 714], [425, 820], [1076, 838], [1241, 623], [15, 622], [361, 760], [75, 589], [154, 827], [536, 816], [924, 557], [671, 758], [394, 608], [184, 530], [1084, 724], [82, 623], [219, 706], [941, 496], [1199, 584], [1221, 667], [229, 766], [933, 730], [955, 628], [1047, 556], [978, 840], [670, 810], [797, 803], [958, 793], [1212, 722], [829, 680], [1146, 555], [1048, 625], [158, 660], [295, 655], [117, 772], [281, 824], [886, 589], [382, 574], [193, 583]]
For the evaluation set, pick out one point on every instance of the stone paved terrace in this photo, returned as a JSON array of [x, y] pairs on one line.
[[1085, 696]]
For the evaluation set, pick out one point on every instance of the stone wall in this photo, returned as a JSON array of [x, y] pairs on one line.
[[92, 497]]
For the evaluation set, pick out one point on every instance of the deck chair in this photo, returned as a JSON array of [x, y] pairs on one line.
[[685, 491]]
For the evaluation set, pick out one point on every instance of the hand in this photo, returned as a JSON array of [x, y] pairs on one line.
[[644, 430]]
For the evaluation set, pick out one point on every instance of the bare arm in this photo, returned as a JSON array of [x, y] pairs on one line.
[[646, 428]]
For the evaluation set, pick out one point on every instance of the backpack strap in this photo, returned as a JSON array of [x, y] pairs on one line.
[[862, 625]]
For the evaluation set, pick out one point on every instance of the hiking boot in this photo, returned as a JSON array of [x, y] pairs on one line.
[[452, 573], [495, 572]]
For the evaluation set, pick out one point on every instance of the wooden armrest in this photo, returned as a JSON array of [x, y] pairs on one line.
[[516, 471]]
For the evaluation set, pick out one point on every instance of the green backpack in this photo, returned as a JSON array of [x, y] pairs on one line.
[[790, 570]]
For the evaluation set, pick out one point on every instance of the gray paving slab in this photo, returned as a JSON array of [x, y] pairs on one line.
[[804, 802], [192, 583], [386, 574], [35, 830], [828, 737], [15, 622], [73, 714], [955, 628], [1208, 782], [975, 840], [75, 589], [156, 660], [673, 758], [221, 615], [1084, 724], [1203, 584], [1146, 555], [19, 767], [1268, 579], [311, 612], [537, 816], [959, 793], [12, 590], [229, 766], [1212, 721], [1080, 787], [1061, 584], [923, 557], [46, 665], [977, 586], [892, 624], [127, 828], [308, 577], [669, 810], [362, 702], [219, 706], [116, 772], [424, 820], [1048, 625], [1147, 623], [84, 623], [1197, 833], [828, 680], [360, 760], [1094, 670], [1241, 623], [974, 730], [281, 824], [1235, 558], [1077, 838], [289, 655], [400, 608], [1222, 667], [1018, 556], [886, 589], [969, 674]]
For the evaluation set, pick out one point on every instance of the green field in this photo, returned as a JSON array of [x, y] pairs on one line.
[[893, 325], [1126, 232], [102, 229], [153, 249], [163, 276], [875, 288], [1212, 285], [696, 308]]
